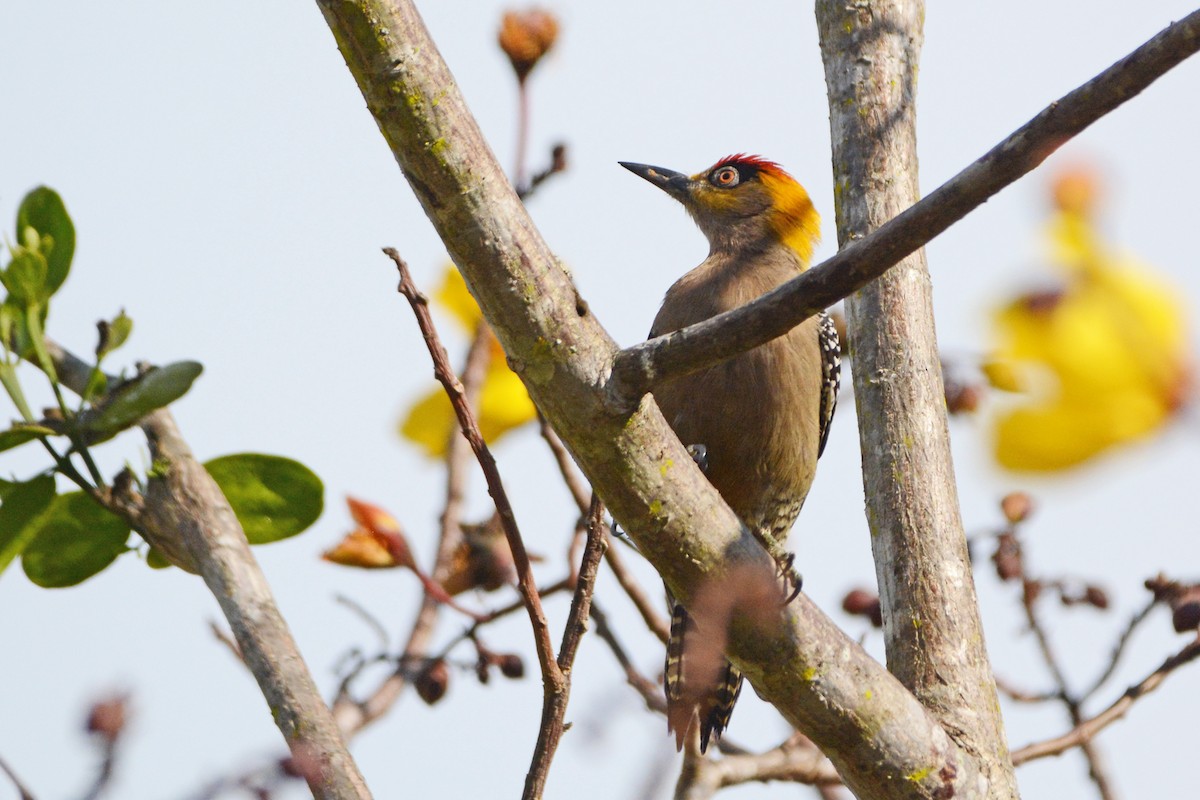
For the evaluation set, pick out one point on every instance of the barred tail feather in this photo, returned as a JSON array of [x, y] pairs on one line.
[[707, 698], [718, 706]]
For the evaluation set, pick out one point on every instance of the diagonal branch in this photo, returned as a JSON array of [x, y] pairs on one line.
[[184, 508], [879, 736], [442, 370], [1087, 730], [863, 260]]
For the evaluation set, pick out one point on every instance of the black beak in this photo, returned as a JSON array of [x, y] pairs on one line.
[[673, 183]]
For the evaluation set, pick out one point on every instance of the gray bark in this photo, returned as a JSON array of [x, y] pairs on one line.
[[933, 632]]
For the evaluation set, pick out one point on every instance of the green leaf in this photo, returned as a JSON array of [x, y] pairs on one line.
[[18, 435], [25, 278], [8, 379], [23, 504], [273, 497], [113, 334], [43, 210], [159, 387], [156, 560], [97, 383], [14, 320], [75, 539]]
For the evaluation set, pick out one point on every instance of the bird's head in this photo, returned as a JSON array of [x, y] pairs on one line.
[[743, 202]]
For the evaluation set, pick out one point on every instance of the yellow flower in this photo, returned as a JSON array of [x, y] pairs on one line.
[[503, 402], [1103, 358]]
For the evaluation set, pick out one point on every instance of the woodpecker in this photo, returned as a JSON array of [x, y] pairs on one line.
[[755, 423]]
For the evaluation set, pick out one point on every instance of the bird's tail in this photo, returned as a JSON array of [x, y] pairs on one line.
[[701, 685]]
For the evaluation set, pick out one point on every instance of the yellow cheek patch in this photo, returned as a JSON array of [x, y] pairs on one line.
[[793, 217], [714, 199]]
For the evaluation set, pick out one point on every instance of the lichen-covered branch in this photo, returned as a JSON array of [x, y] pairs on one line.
[[872, 729], [932, 629], [183, 506]]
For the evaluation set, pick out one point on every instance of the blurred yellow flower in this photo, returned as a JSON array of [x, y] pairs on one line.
[[503, 402], [1103, 358]]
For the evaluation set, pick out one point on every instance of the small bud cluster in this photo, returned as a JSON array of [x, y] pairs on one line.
[[1182, 598], [1008, 560]]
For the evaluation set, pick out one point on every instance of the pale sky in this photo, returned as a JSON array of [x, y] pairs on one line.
[[231, 193]]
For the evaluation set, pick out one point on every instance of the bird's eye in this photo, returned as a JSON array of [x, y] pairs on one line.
[[725, 177]]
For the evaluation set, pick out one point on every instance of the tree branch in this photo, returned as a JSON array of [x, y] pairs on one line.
[[865, 256], [1087, 730], [932, 629], [880, 737], [551, 674], [554, 703], [184, 506]]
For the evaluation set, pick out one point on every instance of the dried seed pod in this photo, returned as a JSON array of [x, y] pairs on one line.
[[511, 665], [526, 36], [431, 683], [1007, 557], [107, 717], [1016, 506]]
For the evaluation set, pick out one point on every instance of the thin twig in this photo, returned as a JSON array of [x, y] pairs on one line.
[[107, 766], [698, 346], [1095, 761], [352, 714], [554, 698], [1019, 695], [12, 776], [648, 609], [226, 639], [651, 691], [558, 163], [367, 617], [551, 674], [566, 466], [1119, 650], [1087, 730], [797, 760]]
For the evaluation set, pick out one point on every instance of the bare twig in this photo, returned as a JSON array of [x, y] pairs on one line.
[[558, 163], [1087, 730], [466, 420], [108, 763], [1019, 695], [648, 609], [224, 638], [639, 367], [1095, 760], [352, 714], [651, 691], [1118, 650], [12, 776], [554, 702], [184, 508], [566, 466], [797, 760]]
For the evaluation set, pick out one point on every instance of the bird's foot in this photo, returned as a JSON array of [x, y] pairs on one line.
[[785, 567], [699, 454]]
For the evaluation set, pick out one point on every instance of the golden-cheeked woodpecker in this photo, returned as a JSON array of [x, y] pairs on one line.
[[756, 423]]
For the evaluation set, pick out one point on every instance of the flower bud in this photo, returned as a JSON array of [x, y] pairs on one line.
[[526, 36]]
